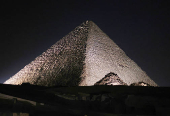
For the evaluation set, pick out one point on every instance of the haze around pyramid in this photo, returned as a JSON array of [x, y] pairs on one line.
[[81, 58]]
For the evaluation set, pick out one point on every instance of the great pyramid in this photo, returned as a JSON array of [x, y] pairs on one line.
[[81, 58]]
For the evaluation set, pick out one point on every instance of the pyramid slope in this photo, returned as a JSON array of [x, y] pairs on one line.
[[104, 56], [82, 57], [61, 64]]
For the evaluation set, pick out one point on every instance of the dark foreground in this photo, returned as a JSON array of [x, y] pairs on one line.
[[31, 100]]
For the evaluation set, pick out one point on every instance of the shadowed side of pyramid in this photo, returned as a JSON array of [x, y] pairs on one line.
[[61, 64], [82, 57]]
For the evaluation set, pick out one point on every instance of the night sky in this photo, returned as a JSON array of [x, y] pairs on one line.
[[139, 27]]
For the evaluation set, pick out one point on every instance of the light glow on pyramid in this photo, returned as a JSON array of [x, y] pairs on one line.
[[81, 58]]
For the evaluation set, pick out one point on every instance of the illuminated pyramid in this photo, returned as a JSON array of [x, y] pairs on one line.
[[82, 57]]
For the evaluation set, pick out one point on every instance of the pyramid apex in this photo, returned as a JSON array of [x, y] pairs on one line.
[[88, 22]]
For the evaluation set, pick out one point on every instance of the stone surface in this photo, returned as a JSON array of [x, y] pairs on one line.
[[82, 57], [140, 84], [110, 79]]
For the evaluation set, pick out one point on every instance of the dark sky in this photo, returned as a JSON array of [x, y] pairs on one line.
[[139, 27]]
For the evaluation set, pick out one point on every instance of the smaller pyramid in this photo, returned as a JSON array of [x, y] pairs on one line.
[[110, 79], [81, 58]]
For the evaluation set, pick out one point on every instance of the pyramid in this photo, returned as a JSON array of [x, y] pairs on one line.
[[81, 58]]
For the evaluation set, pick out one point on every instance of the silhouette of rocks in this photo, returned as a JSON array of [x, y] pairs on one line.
[[140, 84]]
